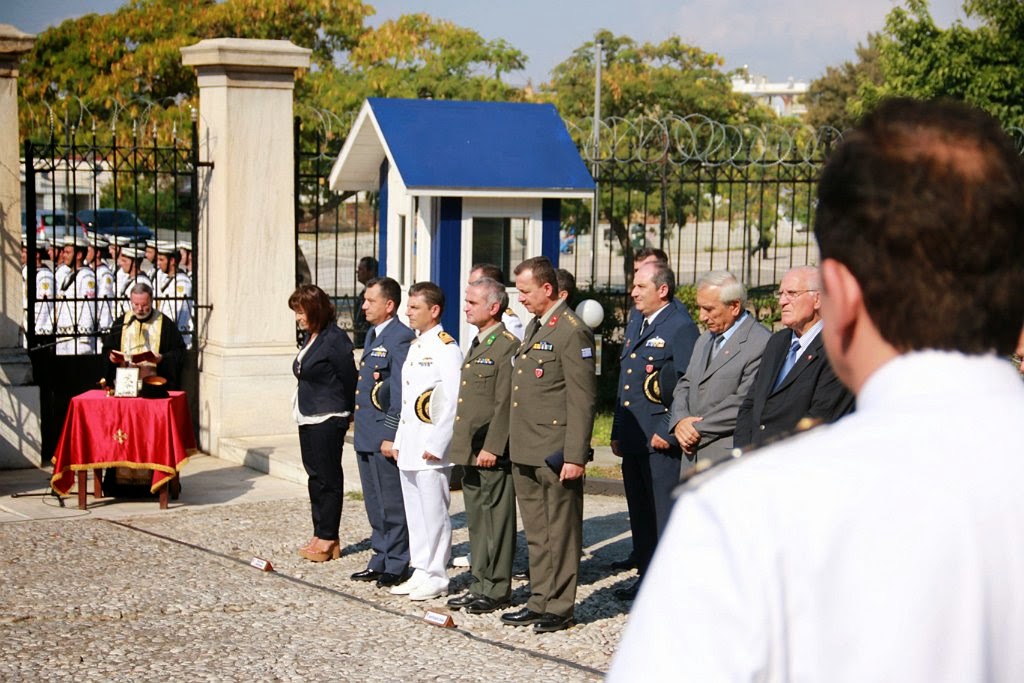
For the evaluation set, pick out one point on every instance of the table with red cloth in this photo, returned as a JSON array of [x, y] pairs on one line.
[[140, 433]]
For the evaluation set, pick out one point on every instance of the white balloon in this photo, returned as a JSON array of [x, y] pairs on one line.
[[591, 312]]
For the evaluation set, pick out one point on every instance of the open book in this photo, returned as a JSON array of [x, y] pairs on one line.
[[143, 357]]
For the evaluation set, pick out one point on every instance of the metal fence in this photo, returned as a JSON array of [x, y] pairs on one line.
[[712, 195], [94, 183]]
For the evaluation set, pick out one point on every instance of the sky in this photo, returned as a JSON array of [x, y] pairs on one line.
[[777, 39]]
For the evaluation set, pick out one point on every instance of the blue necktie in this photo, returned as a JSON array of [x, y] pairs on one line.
[[794, 352], [371, 337]]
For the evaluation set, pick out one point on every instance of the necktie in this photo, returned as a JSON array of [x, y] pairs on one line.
[[643, 327], [371, 337], [794, 352], [717, 346], [476, 343], [532, 329]]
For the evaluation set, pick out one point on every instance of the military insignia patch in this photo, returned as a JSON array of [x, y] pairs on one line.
[[446, 338], [648, 368], [423, 406], [656, 342], [586, 352], [376, 376], [379, 352], [490, 340], [375, 395], [484, 361], [544, 346], [652, 388], [553, 321], [539, 372]]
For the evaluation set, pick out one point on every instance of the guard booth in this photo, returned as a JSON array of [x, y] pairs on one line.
[[461, 183]]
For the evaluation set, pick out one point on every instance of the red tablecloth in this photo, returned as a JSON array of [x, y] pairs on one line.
[[106, 431]]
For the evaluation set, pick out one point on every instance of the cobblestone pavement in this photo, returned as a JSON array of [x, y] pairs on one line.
[[171, 595]]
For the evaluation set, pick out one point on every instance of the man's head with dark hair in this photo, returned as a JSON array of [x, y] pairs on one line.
[[490, 270], [381, 299], [566, 283], [923, 204], [366, 269], [430, 292], [537, 284], [648, 255], [425, 306]]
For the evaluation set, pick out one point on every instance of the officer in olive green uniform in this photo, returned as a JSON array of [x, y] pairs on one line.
[[480, 444], [550, 424]]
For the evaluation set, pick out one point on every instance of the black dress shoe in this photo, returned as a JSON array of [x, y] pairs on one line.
[[366, 575], [387, 579], [485, 605], [523, 617], [551, 622], [627, 593], [623, 565], [460, 601]]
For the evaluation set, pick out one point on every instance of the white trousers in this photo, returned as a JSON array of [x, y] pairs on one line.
[[427, 497]]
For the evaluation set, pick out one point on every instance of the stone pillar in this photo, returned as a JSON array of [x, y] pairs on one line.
[[247, 245], [20, 432]]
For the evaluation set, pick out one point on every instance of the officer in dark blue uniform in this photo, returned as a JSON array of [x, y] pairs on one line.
[[378, 405], [659, 341]]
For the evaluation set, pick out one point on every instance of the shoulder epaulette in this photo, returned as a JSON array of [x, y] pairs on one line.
[[446, 338], [508, 335], [691, 478], [509, 311]]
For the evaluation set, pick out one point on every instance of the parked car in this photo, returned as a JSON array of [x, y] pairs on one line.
[[119, 222], [56, 225]]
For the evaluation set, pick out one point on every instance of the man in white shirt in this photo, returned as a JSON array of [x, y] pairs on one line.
[[887, 546]]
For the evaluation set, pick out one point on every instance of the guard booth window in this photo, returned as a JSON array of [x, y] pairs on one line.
[[501, 241]]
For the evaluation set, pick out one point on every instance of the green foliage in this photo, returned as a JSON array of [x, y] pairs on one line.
[[648, 79], [983, 66], [829, 97], [126, 66]]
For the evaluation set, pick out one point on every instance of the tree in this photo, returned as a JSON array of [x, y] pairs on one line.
[[645, 83], [127, 64], [983, 66], [829, 96]]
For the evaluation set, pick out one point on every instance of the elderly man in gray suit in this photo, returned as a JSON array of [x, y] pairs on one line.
[[721, 370]]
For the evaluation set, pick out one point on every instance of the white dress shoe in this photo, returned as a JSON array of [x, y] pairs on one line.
[[463, 561], [408, 586], [427, 593]]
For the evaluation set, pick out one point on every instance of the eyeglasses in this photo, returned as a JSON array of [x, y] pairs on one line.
[[792, 293]]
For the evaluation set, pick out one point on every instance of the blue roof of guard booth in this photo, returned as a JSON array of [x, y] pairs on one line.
[[480, 145]]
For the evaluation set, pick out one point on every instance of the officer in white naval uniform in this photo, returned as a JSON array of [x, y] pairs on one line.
[[887, 546], [430, 392], [45, 289], [106, 290], [129, 275]]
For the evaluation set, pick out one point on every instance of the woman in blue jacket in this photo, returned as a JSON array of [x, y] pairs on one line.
[[322, 407]]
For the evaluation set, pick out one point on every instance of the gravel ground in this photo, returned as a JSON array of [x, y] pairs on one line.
[[172, 596]]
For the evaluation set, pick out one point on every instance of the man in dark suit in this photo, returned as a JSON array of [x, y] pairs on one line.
[[721, 369], [554, 389], [795, 379], [480, 444], [653, 357], [378, 406]]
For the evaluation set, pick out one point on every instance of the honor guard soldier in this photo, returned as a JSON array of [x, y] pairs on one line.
[[886, 546], [554, 390], [378, 405], [45, 288], [148, 265], [654, 355], [129, 275], [174, 293], [430, 390], [105, 286], [480, 445], [76, 302]]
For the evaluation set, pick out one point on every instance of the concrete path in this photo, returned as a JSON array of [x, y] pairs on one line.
[[124, 591]]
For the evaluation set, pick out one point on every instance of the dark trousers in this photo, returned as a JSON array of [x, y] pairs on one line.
[[385, 510], [491, 513], [553, 519], [649, 479], [321, 446]]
